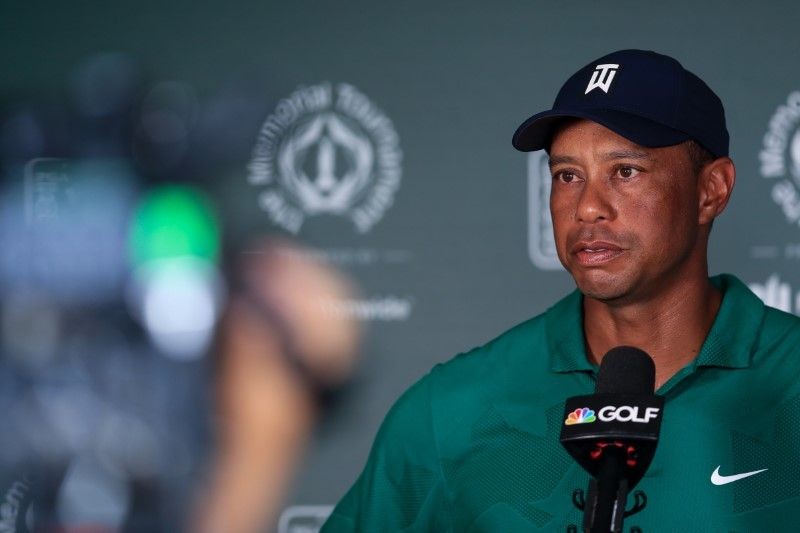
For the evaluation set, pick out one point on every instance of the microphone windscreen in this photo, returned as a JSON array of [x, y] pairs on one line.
[[626, 370]]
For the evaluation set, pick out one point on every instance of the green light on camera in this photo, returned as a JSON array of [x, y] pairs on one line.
[[174, 222]]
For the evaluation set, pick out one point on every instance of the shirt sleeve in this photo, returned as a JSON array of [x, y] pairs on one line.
[[402, 487]]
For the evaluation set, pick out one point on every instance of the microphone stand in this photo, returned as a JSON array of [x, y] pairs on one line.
[[605, 506]]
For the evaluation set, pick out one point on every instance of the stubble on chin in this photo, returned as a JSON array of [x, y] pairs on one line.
[[607, 288]]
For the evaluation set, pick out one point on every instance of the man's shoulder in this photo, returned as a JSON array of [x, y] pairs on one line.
[[780, 330], [772, 334], [776, 346], [781, 320], [465, 383], [523, 344]]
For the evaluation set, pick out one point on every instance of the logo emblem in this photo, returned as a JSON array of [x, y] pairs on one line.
[[602, 77], [780, 157], [582, 415], [719, 479], [326, 150]]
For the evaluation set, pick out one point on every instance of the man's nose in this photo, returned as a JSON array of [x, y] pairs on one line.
[[594, 203]]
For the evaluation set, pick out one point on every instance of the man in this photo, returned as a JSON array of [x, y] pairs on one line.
[[639, 156]]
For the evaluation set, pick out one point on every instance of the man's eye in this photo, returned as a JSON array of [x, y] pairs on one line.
[[627, 172], [566, 176]]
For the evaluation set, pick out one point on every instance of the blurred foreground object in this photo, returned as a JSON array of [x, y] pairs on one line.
[[282, 345], [176, 291], [107, 431]]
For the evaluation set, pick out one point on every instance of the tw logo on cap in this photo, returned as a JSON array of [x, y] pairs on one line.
[[602, 77]]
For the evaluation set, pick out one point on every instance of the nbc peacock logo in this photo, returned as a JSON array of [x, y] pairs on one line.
[[582, 415]]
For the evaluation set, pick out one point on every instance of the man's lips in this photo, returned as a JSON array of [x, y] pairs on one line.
[[591, 253]]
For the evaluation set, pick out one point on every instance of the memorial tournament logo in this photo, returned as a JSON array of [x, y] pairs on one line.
[[779, 164], [326, 150], [780, 157]]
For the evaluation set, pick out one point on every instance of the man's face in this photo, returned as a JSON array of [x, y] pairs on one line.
[[625, 217]]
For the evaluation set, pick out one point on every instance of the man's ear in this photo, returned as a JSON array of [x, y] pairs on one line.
[[715, 184]]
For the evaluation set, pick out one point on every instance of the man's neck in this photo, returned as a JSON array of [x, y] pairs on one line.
[[671, 327]]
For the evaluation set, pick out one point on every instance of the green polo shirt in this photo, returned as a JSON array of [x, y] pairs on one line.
[[474, 445]]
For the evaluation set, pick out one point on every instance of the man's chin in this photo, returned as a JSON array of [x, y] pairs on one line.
[[605, 288], [605, 296]]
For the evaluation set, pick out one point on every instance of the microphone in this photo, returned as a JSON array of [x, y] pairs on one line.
[[613, 434]]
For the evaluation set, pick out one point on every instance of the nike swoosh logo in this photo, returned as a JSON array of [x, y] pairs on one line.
[[719, 479]]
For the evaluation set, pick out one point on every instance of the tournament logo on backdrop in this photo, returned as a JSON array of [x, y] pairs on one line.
[[326, 150], [779, 163], [541, 243], [780, 157]]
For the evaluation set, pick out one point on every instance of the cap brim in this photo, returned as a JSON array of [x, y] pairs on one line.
[[537, 132]]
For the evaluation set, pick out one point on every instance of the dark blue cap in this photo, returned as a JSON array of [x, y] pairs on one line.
[[646, 97]]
